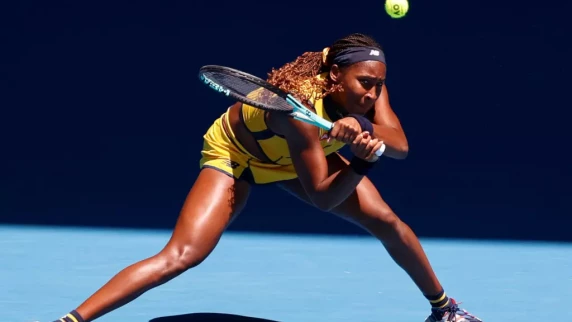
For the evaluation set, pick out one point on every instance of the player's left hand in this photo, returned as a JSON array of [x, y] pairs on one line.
[[345, 130]]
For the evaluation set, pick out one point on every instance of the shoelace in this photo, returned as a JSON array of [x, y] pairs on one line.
[[452, 310]]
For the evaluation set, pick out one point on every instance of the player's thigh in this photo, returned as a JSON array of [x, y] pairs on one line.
[[212, 203], [365, 207]]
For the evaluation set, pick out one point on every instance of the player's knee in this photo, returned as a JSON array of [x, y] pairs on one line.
[[384, 224], [177, 260]]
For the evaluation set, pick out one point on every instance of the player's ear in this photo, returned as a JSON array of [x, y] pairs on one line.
[[335, 73]]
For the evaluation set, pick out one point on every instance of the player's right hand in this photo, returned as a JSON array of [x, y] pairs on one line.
[[345, 130], [364, 147]]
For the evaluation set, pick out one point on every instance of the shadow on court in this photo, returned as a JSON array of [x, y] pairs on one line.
[[209, 317]]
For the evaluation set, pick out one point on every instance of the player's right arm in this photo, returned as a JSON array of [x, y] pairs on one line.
[[325, 190]]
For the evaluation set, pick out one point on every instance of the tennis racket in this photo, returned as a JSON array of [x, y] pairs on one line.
[[258, 93]]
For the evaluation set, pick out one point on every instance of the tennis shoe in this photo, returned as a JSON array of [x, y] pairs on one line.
[[451, 313]]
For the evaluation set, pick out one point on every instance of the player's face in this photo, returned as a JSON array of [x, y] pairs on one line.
[[361, 83]]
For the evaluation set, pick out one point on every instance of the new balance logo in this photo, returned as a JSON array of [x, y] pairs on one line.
[[231, 164], [374, 52]]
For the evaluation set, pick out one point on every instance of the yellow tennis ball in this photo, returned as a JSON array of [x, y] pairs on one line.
[[396, 8]]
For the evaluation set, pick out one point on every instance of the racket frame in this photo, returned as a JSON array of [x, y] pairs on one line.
[[299, 111]]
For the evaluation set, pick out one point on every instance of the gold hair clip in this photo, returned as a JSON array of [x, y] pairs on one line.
[[325, 52]]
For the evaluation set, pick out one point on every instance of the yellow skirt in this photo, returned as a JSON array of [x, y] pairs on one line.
[[222, 151]]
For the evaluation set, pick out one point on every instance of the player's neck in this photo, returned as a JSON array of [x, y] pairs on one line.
[[334, 110]]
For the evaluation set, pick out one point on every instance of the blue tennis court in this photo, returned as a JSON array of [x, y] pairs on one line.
[[46, 272]]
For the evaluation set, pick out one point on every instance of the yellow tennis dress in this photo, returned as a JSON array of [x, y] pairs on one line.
[[223, 152]]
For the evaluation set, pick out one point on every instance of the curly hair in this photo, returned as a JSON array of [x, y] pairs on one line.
[[299, 77]]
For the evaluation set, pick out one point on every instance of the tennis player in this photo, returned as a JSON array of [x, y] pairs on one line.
[[246, 146]]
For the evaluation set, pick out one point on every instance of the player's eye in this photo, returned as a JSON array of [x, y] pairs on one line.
[[366, 83]]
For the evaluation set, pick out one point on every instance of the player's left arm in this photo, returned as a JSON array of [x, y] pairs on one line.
[[386, 126]]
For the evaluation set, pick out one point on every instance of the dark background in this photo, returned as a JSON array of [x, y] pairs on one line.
[[102, 114]]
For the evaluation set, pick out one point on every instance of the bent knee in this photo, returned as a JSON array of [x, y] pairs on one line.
[[176, 260], [383, 223]]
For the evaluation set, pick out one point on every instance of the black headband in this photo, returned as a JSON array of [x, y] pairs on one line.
[[358, 54]]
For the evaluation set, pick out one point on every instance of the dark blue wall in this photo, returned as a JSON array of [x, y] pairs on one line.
[[102, 113]]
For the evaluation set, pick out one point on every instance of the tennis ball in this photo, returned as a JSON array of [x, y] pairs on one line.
[[396, 8]]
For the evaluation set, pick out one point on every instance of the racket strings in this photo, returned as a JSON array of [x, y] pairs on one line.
[[250, 90]]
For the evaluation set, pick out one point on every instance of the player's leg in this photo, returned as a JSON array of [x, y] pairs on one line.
[[214, 200], [366, 208]]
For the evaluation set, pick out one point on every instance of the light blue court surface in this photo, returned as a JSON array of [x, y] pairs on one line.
[[45, 272]]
